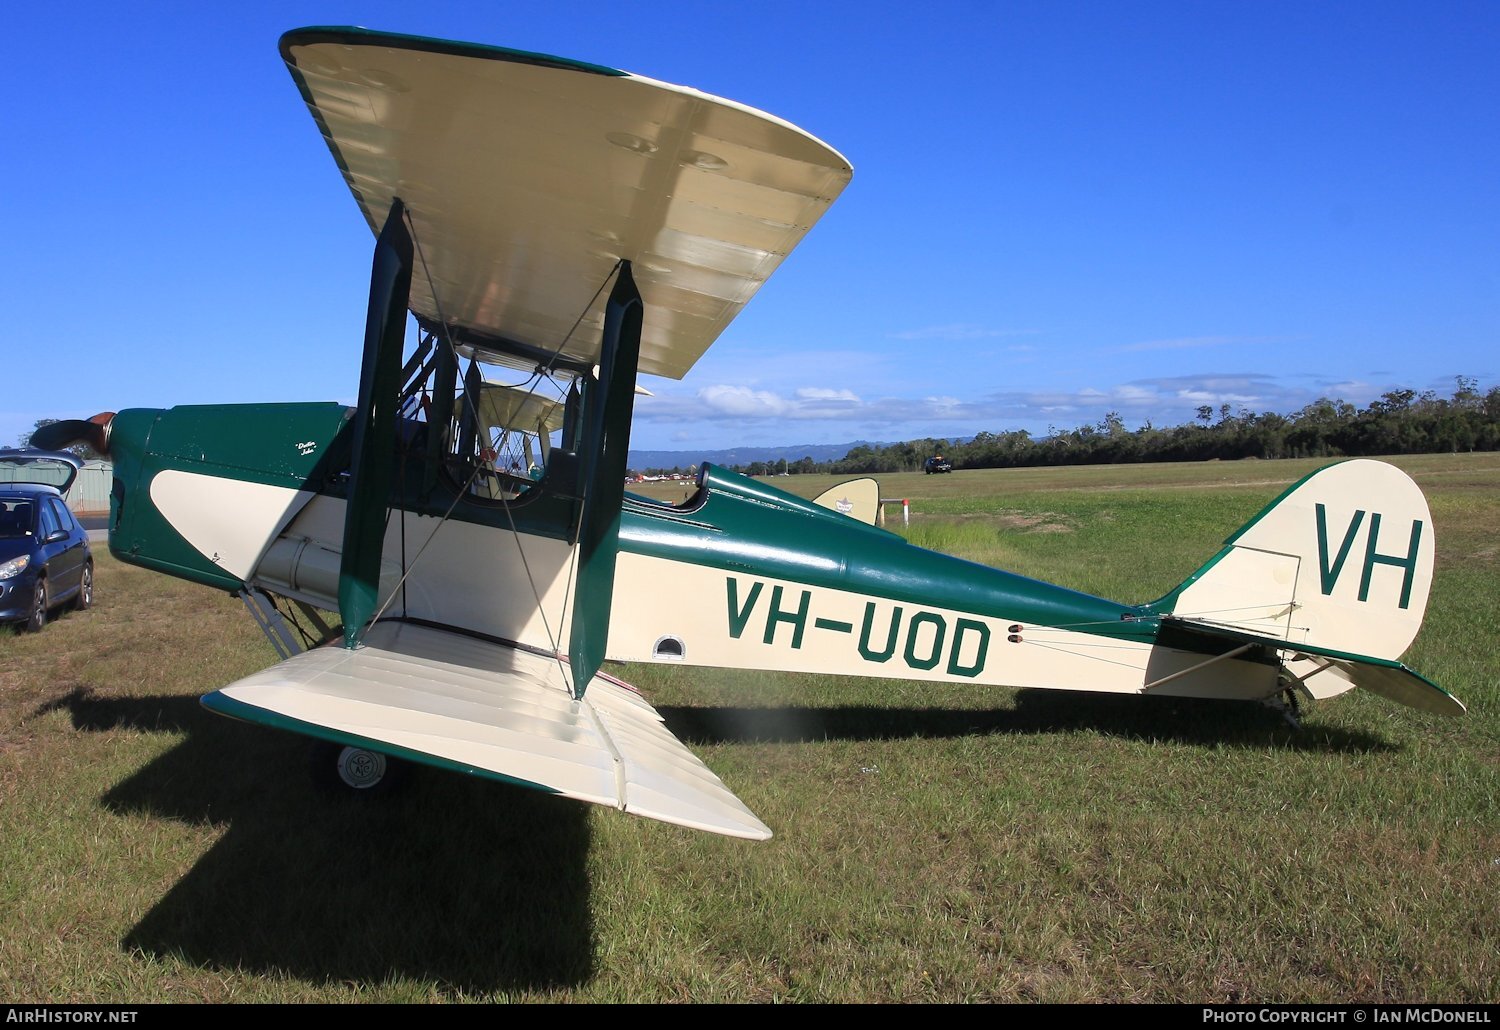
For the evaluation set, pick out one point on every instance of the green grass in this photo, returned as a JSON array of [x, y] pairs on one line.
[[932, 843]]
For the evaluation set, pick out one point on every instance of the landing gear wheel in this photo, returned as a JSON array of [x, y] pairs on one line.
[[356, 771], [39, 602]]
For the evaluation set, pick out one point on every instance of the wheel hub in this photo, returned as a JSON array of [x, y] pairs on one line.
[[361, 768]]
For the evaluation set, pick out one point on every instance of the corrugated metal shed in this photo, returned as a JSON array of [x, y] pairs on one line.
[[90, 491], [89, 494]]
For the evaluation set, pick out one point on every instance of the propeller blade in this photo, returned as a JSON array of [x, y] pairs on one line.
[[57, 436]]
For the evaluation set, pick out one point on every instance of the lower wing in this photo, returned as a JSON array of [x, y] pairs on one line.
[[454, 701]]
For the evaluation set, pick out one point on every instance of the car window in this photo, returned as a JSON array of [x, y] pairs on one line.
[[61, 513], [47, 522], [17, 516]]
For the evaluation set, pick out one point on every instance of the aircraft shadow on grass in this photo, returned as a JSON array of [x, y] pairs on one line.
[[1187, 721], [469, 883], [472, 884]]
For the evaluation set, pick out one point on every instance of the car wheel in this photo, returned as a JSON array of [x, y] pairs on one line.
[[356, 771], [38, 617], [85, 588]]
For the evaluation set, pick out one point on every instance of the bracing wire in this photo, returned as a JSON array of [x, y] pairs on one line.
[[546, 369]]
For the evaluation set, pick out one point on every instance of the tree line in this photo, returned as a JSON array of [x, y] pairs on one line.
[[1399, 422]]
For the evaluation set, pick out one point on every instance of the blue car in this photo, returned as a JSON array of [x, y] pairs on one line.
[[45, 560]]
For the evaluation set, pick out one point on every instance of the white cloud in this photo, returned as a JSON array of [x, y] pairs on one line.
[[943, 404], [1131, 393], [1350, 388], [817, 393], [958, 331], [743, 402], [722, 402]]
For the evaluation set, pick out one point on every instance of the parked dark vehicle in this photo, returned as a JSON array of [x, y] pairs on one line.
[[937, 463], [45, 560]]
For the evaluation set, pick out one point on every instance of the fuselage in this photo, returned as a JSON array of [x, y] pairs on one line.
[[742, 575]]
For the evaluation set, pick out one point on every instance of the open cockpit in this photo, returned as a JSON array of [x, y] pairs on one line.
[[487, 428]]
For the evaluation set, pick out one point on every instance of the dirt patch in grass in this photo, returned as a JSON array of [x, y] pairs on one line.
[[1019, 521], [1046, 523]]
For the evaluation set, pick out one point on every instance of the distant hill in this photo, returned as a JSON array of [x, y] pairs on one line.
[[744, 455]]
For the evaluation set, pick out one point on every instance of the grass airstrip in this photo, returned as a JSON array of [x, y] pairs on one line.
[[932, 843]]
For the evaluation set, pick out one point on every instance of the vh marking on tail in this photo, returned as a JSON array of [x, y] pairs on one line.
[[1329, 575]]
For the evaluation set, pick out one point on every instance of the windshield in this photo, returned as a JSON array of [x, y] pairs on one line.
[[505, 438], [17, 517]]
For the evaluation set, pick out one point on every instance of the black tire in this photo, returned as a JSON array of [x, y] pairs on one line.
[[356, 771], [38, 617], [85, 595]]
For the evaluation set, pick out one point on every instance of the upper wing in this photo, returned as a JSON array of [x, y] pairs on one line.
[[528, 177], [455, 701]]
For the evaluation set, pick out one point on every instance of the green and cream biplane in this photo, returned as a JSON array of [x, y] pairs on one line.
[[555, 229]]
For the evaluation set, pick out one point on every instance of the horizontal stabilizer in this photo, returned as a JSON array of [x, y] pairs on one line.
[[457, 702], [858, 499], [1308, 662]]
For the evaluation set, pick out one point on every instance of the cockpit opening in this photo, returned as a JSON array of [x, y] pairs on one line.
[[492, 440], [506, 435]]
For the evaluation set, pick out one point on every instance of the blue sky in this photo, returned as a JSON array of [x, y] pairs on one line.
[[1058, 209]]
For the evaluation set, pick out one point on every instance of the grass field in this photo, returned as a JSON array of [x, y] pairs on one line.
[[932, 844]]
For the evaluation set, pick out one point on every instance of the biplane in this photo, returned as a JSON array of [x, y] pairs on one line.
[[546, 231]]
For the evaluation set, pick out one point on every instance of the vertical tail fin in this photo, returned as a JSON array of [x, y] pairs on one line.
[[1338, 567], [1342, 560], [858, 499]]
